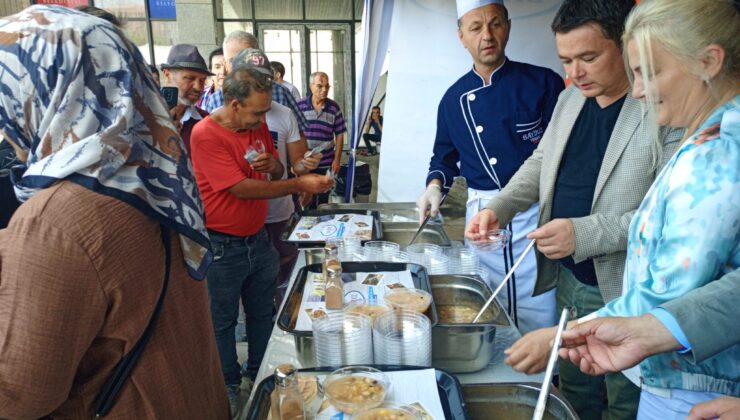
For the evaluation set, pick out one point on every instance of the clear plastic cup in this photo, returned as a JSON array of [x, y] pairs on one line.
[[402, 337], [424, 249], [381, 250], [401, 257], [493, 240], [350, 249], [438, 264], [425, 254], [342, 339]]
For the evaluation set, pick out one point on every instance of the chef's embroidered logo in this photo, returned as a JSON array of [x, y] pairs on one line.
[[534, 136], [531, 131]]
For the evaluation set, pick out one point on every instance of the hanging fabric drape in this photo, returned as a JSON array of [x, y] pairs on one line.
[[376, 24]]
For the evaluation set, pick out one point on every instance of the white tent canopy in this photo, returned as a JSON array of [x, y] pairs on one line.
[[426, 57]]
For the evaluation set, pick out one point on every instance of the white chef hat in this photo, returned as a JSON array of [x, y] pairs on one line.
[[464, 6]]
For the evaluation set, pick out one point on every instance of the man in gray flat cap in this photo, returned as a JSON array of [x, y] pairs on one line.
[[186, 70]]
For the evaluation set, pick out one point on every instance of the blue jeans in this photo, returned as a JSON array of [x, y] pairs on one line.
[[242, 266], [584, 392]]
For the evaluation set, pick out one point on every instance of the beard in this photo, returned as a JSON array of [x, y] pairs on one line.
[[185, 101]]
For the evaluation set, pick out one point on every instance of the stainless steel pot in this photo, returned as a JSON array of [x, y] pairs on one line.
[[462, 348], [513, 402]]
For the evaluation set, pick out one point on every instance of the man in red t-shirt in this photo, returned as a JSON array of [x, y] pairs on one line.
[[234, 161]]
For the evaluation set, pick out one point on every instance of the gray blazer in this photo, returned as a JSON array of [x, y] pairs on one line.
[[626, 174], [708, 316]]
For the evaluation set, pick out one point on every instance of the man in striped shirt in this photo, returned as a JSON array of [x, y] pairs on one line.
[[325, 124]]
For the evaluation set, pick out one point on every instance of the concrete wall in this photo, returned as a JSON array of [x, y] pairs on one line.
[[9, 7], [196, 24]]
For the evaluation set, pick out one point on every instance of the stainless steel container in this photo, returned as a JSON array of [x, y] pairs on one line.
[[462, 348], [400, 233], [513, 402], [389, 212], [288, 314], [400, 222]]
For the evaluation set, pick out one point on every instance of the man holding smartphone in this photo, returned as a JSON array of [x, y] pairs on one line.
[[185, 70]]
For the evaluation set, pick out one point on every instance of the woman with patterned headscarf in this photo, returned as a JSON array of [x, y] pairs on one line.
[[110, 239]]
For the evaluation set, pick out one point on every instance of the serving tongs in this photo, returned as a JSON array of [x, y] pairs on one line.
[[426, 221], [503, 283], [539, 409]]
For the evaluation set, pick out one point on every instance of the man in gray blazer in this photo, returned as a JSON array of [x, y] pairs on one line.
[[595, 163]]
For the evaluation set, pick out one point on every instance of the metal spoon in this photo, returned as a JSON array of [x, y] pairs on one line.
[[539, 410], [503, 283]]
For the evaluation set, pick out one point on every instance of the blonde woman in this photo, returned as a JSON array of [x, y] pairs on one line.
[[684, 59]]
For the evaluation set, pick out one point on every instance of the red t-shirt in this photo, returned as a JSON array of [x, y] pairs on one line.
[[218, 161]]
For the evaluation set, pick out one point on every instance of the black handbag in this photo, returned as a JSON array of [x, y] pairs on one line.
[[363, 180], [112, 387]]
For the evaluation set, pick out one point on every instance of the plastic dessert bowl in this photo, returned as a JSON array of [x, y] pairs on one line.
[[356, 389], [493, 240], [389, 411], [413, 299], [370, 309]]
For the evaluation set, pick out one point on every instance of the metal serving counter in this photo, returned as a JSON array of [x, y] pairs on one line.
[[282, 349]]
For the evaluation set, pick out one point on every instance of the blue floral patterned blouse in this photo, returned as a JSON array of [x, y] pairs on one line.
[[683, 236]]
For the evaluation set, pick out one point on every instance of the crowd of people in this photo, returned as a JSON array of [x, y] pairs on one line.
[[627, 179]]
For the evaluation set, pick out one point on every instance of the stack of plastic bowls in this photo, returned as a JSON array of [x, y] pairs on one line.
[[350, 249], [463, 260], [431, 256], [381, 250], [401, 257], [438, 264], [342, 339], [402, 337]]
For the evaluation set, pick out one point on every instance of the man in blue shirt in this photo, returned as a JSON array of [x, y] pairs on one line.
[[489, 122]]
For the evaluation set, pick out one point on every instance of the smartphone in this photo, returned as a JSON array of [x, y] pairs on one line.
[[169, 94]]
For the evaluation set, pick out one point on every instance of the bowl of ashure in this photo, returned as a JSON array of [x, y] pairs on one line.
[[356, 389], [389, 410], [370, 309], [412, 299]]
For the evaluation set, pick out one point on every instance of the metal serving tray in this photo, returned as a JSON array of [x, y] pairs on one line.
[[513, 401], [450, 393], [389, 212], [463, 348], [400, 233], [404, 213], [377, 228], [288, 315], [400, 222]]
